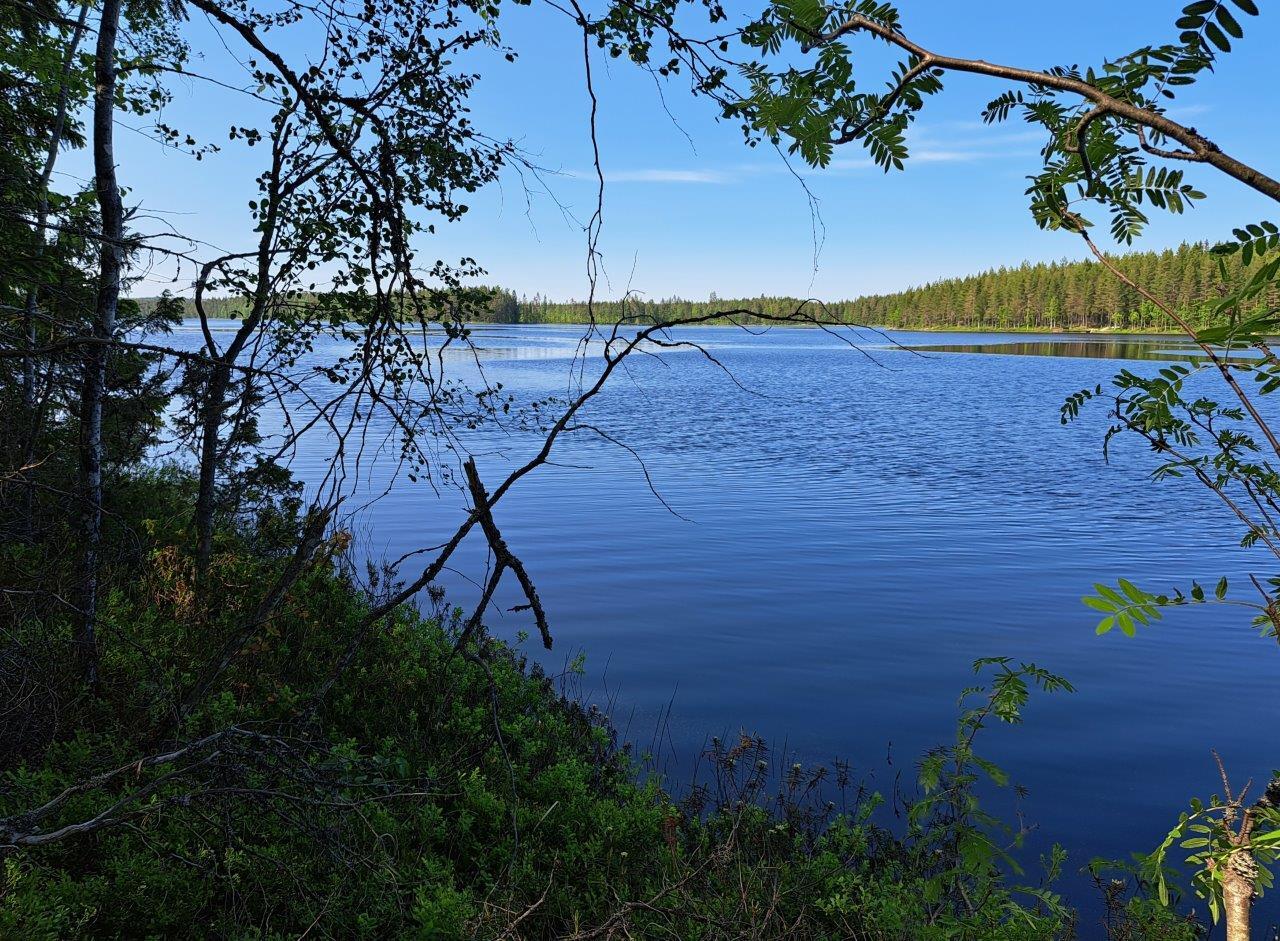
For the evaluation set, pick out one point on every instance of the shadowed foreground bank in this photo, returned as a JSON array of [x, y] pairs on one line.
[[430, 791]]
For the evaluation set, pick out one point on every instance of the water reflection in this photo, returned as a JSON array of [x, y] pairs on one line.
[[1163, 348]]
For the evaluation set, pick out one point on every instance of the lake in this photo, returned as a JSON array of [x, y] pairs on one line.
[[859, 526]]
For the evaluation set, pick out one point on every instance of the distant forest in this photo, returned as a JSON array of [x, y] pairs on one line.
[[1065, 295]]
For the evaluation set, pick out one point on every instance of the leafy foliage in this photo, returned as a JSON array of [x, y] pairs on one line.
[[949, 819], [1253, 240], [1216, 847], [1221, 445], [1123, 608], [446, 793]]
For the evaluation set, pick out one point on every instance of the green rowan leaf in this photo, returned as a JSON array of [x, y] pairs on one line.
[[1217, 37], [1228, 22]]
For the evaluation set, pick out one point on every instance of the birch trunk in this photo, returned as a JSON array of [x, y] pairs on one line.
[[104, 324]]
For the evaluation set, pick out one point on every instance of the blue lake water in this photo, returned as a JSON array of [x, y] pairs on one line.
[[858, 530]]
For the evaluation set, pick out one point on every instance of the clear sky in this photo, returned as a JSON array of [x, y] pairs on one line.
[[690, 210]]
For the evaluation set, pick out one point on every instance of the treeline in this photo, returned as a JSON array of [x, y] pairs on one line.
[[481, 304], [1064, 295]]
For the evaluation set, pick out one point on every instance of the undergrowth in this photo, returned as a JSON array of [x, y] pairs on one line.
[[404, 786]]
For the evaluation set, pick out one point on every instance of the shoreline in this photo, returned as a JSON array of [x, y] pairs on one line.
[[1029, 331]]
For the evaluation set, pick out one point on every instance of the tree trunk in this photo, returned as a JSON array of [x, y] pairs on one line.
[[1237, 895], [220, 375], [215, 407], [111, 256]]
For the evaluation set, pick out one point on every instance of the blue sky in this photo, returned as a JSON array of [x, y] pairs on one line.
[[690, 210]]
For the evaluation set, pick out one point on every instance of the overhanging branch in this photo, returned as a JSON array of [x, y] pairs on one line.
[[1199, 148]]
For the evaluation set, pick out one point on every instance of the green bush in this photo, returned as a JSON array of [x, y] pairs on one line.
[[431, 792]]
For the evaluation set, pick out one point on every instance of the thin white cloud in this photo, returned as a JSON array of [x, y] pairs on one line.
[[976, 142], [666, 176], [734, 173], [926, 147], [850, 163], [943, 155], [974, 137], [937, 155]]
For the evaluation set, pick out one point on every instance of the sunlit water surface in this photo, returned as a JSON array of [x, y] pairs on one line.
[[858, 529]]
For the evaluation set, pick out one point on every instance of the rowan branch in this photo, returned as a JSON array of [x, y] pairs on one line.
[[1199, 147]]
